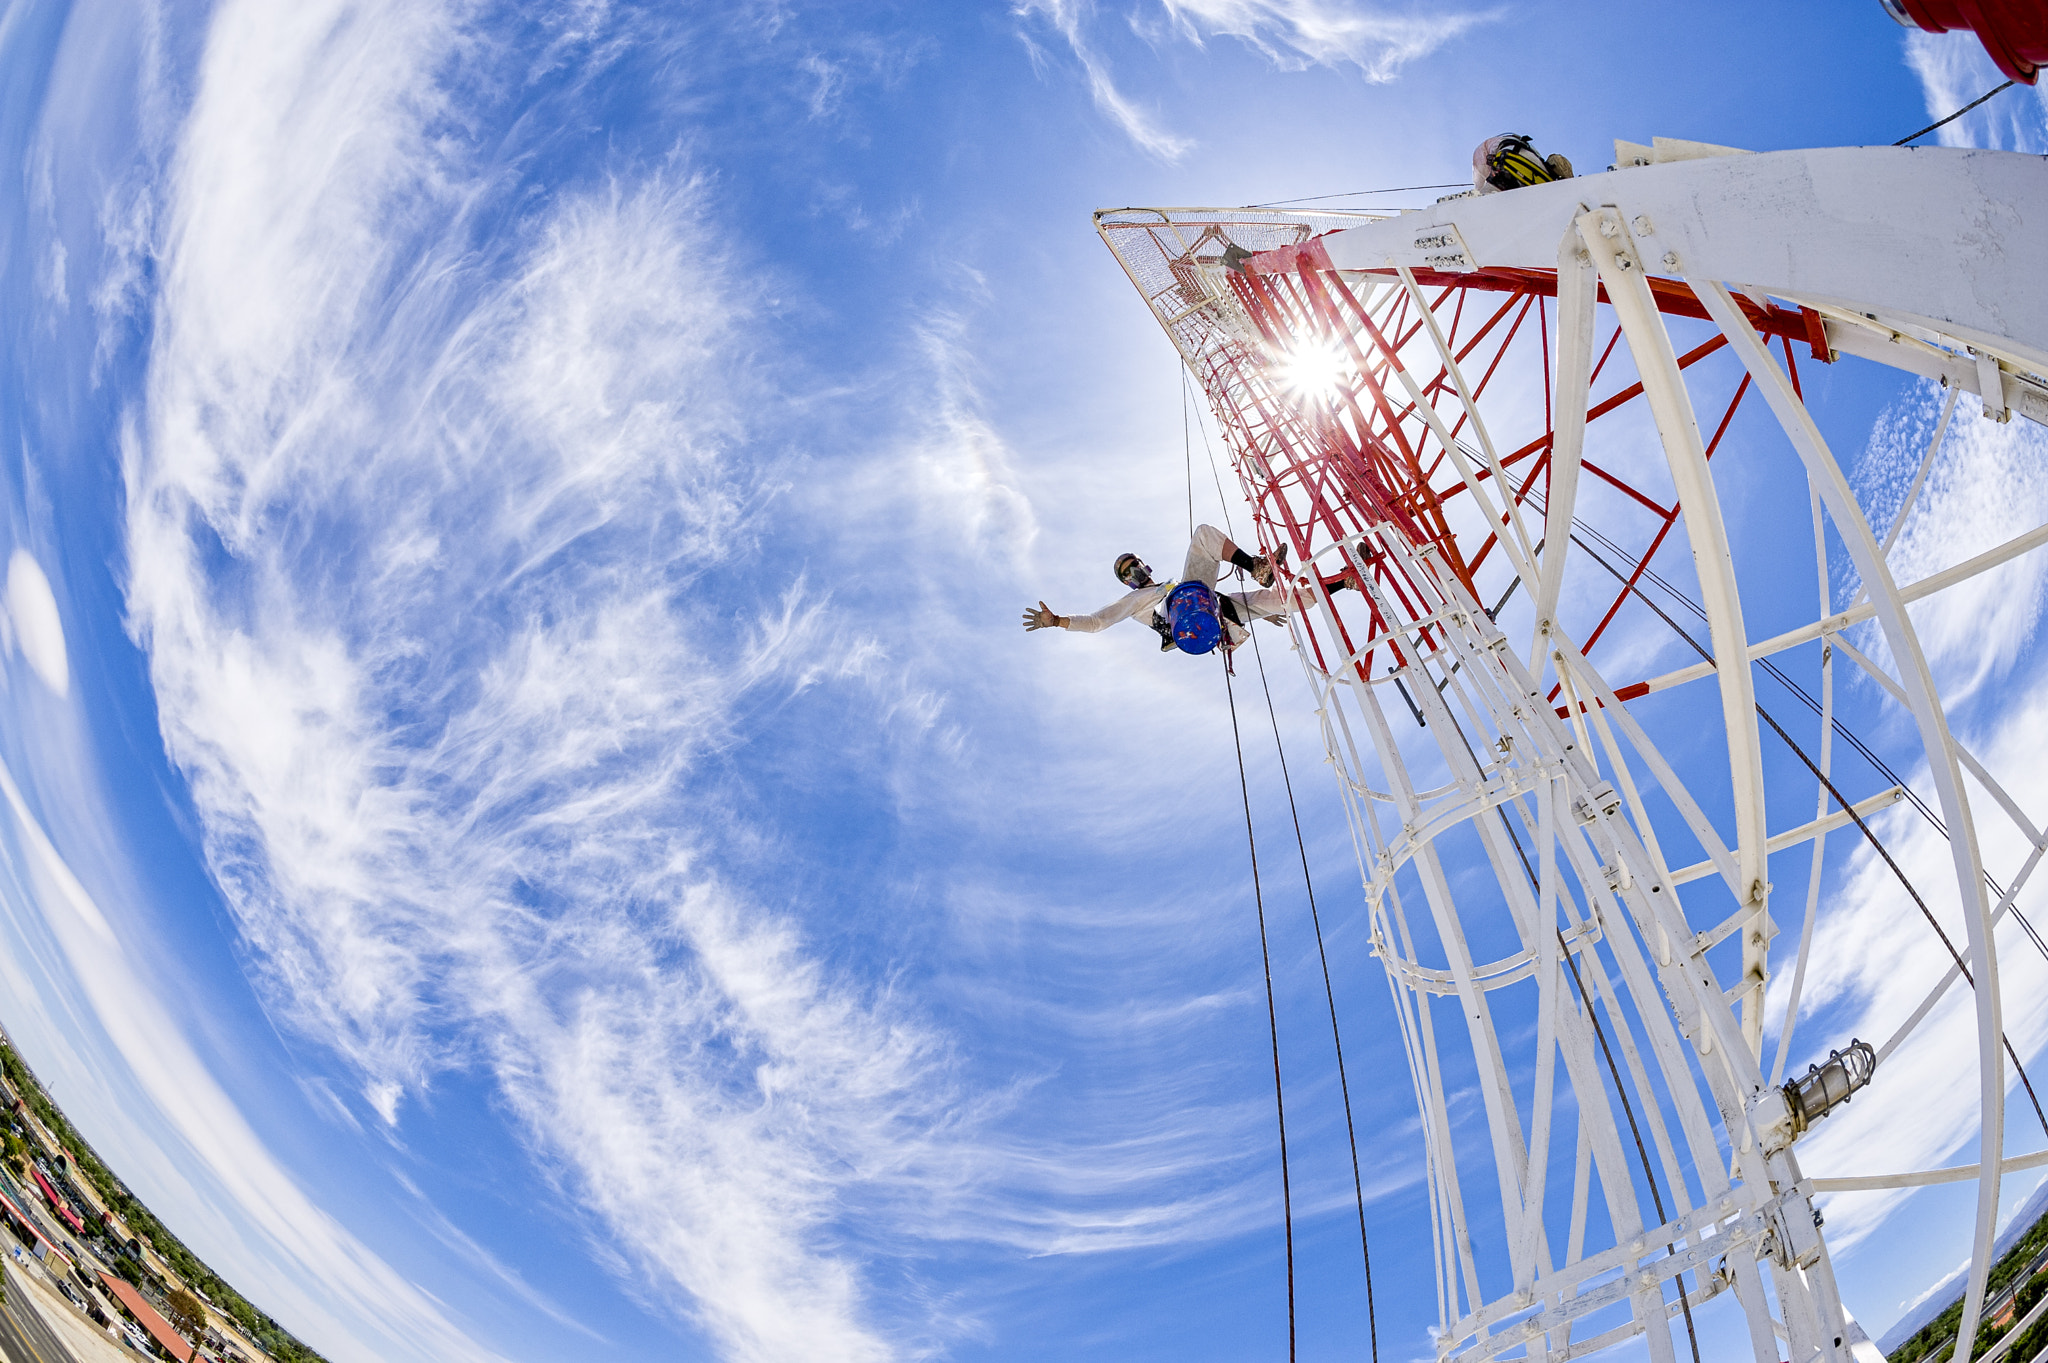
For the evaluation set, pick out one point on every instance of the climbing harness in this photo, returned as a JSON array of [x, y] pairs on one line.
[[1164, 629]]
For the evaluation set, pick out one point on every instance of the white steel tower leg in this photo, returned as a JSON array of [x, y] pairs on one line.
[[1520, 806], [1925, 700], [1607, 239]]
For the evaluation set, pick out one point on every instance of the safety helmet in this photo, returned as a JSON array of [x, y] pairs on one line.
[[1132, 571], [1191, 607], [1515, 163]]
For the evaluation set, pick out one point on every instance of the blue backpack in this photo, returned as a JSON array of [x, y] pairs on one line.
[[1191, 607]]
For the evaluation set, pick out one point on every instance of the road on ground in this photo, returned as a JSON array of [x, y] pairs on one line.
[[24, 1338]]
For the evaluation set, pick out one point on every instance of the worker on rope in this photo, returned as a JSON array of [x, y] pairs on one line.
[[1190, 614], [1511, 161]]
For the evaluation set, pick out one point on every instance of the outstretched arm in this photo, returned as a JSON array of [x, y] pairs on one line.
[[1145, 598], [1044, 617]]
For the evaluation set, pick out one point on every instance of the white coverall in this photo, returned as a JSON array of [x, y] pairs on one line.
[[1204, 562]]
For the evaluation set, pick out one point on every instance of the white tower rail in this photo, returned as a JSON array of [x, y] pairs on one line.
[[1413, 404]]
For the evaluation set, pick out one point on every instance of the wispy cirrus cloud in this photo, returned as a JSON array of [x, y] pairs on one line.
[[1300, 33], [455, 557], [1876, 957], [951, 479], [1292, 34], [416, 548], [1070, 19], [1953, 70], [29, 622], [1980, 489]]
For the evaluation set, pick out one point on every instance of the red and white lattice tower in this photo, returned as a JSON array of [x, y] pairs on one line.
[[1434, 405]]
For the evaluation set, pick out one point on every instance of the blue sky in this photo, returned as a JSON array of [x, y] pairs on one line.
[[534, 832]]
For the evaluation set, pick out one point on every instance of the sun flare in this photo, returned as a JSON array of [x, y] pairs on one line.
[[1312, 371]]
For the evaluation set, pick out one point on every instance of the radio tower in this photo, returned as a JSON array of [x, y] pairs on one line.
[[1432, 406]]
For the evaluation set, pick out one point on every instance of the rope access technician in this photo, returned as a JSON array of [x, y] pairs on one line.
[[1189, 614]]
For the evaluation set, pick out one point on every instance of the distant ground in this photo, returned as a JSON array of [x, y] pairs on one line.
[[83, 1226], [59, 1330], [2018, 1282]]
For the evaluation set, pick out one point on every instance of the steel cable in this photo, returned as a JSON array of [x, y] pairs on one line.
[[1942, 122], [1656, 1197], [1361, 193], [1850, 810], [1849, 736], [1614, 1071], [1403, 189]]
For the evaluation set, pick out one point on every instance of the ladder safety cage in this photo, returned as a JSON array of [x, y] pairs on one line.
[[1415, 404]]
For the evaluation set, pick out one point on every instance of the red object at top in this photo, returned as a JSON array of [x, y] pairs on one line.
[[2014, 32]]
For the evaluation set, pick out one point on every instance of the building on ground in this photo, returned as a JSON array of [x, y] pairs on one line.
[[143, 1314]]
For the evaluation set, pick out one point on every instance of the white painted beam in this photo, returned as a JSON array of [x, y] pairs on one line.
[[1960, 1173], [1857, 614], [1917, 681], [1949, 238], [1616, 254], [1792, 837]]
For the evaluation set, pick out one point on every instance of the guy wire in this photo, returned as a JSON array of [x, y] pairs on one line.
[[1847, 734], [1941, 122], [1848, 809]]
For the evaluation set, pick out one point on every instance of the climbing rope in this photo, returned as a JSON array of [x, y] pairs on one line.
[[1272, 1012], [1258, 895], [1330, 994], [1315, 917]]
